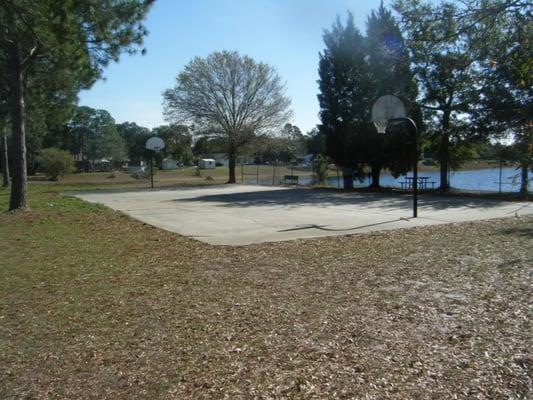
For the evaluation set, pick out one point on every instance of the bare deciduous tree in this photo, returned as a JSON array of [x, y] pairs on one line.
[[229, 96]]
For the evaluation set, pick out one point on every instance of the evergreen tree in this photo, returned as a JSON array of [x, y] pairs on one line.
[[42, 37], [178, 142], [389, 64], [4, 157], [135, 138], [96, 137], [354, 72], [344, 98], [316, 142]]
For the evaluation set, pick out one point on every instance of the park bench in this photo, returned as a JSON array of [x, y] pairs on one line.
[[290, 179]]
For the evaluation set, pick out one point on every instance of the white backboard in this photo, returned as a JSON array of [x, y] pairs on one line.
[[386, 108], [155, 143]]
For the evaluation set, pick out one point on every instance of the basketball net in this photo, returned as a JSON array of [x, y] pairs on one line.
[[384, 109], [381, 126]]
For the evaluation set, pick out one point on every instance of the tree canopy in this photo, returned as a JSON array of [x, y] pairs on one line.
[[96, 136], [345, 92], [229, 96], [354, 71], [178, 142], [501, 36], [473, 64], [135, 138], [390, 71], [70, 40], [446, 73]]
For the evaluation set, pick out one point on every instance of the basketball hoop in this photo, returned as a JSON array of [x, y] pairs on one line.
[[155, 144], [386, 108], [381, 125]]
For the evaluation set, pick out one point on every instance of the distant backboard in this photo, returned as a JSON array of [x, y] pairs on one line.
[[386, 108], [155, 143]]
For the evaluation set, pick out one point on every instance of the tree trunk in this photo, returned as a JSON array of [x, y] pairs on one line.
[[524, 184], [347, 176], [375, 172], [232, 165], [19, 181], [5, 159], [444, 153]]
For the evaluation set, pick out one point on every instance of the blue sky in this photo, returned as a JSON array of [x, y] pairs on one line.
[[284, 33]]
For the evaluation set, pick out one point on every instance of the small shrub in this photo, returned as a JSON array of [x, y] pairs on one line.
[[321, 168], [55, 163]]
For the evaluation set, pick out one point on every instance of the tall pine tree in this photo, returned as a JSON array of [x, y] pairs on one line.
[[74, 36]]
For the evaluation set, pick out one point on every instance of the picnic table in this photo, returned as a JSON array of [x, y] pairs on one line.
[[290, 179], [423, 182]]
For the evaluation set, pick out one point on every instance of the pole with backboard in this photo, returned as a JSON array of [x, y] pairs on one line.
[[155, 144], [389, 110]]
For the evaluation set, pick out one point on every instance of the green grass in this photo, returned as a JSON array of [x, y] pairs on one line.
[[185, 176], [97, 305]]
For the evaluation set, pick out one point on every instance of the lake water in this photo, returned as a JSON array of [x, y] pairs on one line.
[[487, 179]]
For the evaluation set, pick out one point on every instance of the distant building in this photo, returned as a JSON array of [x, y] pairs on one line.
[[169, 163], [221, 159], [207, 163]]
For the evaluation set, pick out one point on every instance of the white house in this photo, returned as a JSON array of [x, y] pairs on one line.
[[220, 158], [207, 163], [169, 163]]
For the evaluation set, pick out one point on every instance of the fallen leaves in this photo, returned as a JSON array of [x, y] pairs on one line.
[[119, 309]]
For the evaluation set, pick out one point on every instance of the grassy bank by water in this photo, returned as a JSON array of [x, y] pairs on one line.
[[97, 305]]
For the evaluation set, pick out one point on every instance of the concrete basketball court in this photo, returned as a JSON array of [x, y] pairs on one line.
[[245, 214]]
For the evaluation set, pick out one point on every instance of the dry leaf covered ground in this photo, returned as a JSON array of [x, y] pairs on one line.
[[96, 305]]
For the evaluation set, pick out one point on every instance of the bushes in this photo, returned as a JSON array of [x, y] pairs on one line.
[[55, 162], [321, 168]]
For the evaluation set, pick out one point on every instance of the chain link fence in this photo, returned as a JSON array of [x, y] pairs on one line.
[[476, 175]]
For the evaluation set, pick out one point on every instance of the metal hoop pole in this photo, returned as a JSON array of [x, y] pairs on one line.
[[415, 160], [415, 172], [152, 170]]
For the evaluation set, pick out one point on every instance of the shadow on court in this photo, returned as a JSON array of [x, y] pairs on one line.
[[318, 197]]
